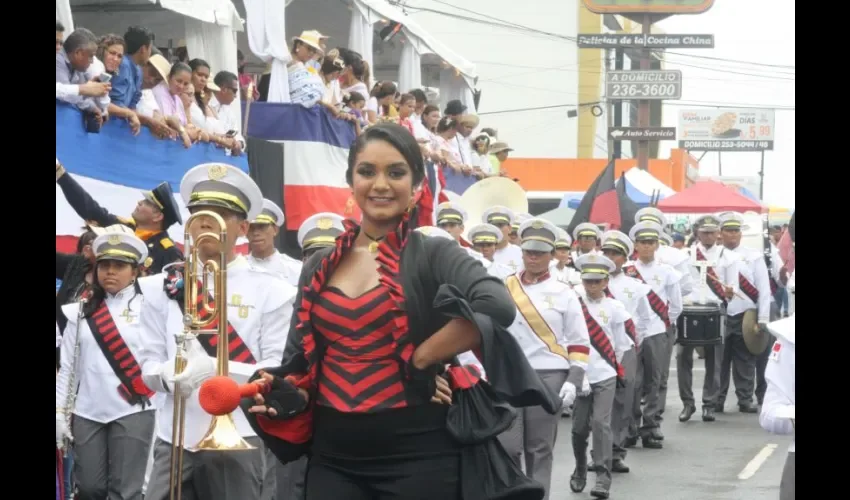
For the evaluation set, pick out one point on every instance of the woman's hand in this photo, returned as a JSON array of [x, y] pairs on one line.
[[443, 395], [282, 400]]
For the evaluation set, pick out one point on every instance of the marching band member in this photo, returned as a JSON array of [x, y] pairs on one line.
[[633, 294], [319, 231], [152, 217], [259, 307], [261, 234], [754, 285], [551, 330], [666, 303], [485, 238], [722, 271], [451, 218], [113, 416], [587, 236], [607, 324], [513, 237], [506, 252], [561, 267]]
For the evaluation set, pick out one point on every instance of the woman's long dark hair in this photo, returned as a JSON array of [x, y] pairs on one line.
[[98, 294], [195, 64], [396, 136]]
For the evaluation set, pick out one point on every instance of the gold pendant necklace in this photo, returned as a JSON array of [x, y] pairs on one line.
[[373, 246]]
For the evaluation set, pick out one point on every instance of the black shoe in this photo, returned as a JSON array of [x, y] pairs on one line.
[[650, 443], [630, 442], [619, 465], [719, 408], [657, 434], [707, 414], [748, 408], [600, 491], [578, 480], [687, 412]]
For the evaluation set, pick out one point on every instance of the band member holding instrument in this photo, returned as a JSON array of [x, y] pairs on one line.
[[365, 403], [754, 284], [506, 252], [666, 303], [319, 231], [261, 234], [259, 307], [778, 413], [607, 323], [113, 414], [561, 265], [722, 270], [485, 238], [551, 330], [154, 214], [634, 295]]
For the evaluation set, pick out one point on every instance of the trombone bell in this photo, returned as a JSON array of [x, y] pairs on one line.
[[223, 436]]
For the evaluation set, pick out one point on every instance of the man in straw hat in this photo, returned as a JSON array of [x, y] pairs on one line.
[[740, 347], [259, 308], [498, 154]]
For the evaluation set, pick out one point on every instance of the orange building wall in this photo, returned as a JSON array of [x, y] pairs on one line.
[[567, 174]]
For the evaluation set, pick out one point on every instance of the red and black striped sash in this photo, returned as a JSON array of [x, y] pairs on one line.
[[748, 288], [657, 305], [120, 358], [360, 371], [713, 281], [600, 341], [630, 325], [239, 352]]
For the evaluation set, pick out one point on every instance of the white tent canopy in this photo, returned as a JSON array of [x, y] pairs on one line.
[[645, 182]]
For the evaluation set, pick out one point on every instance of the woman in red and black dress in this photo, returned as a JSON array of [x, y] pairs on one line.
[[357, 382]]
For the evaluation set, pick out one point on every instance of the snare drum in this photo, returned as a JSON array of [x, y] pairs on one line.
[[699, 324]]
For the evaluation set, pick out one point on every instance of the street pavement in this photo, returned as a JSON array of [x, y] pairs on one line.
[[700, 460]]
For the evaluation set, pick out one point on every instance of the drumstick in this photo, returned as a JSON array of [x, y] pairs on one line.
[[724, 284]]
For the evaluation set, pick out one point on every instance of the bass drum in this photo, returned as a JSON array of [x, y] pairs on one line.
[[699, 325]]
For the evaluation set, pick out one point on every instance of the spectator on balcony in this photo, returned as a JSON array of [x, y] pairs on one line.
[[305, 88], [419, 107], [330, 71], [355, 105], [60, 35], [461, 145], [245, 79], [201, 113], [170, 95], [441, 147], [381, 98], [499, 154], [222, 103], [88, 89], [73, 67], [110, 53], [127, 84], [425, 129], [354, 76], [481, 156], [155, 72], [406, 106]]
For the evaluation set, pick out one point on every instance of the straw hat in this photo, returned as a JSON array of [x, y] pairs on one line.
[[498, 147], [470, 121], [161, 64], [312, 38]]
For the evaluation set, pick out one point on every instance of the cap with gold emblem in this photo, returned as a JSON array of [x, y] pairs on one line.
[[484, 234], [271, 214], [587, 229], [320, 230], [120, 246], [564, 240], [651, 214], [518, 220], [708, 224], [732, 220], [665, 239], [435, 232], [162, 197], [594, 266], [222, 185], [646, 231], [498, 215], [617, 241], [450, 213], [537, 235]]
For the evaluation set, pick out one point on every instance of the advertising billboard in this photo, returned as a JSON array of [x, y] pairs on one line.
[[667, 7]]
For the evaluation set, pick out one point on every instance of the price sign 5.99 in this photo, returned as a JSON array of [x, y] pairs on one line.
[[643, 84]]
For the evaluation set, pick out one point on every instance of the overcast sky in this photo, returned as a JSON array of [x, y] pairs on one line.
[[759, 31]]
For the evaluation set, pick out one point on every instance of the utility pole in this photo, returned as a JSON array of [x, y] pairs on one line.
[[643, 104], [619, 60]]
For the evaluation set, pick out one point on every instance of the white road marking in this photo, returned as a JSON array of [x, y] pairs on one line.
[[757, 462]]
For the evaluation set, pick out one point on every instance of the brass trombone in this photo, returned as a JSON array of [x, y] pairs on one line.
[[222, 434]]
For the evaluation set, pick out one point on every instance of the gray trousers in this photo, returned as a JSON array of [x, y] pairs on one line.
[[533, 434], [290, 478], [109, 459], [622, 415], [650, 367], [592, 413], [738, 360], [210, 475], [665, 368], [685, 373], [789, 475]]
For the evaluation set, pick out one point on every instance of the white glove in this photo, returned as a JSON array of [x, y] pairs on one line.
[[62, 431], [199, 367], [585, 387], [568, 393]]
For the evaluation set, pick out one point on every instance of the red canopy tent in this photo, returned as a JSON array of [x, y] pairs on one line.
[[708, 197]]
